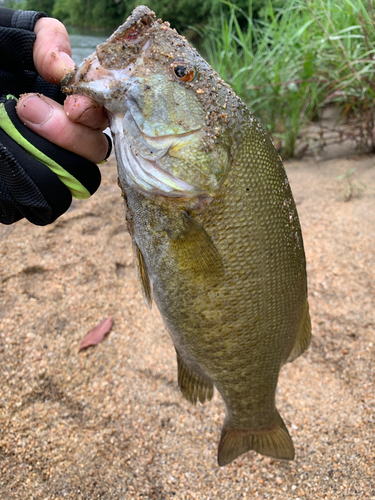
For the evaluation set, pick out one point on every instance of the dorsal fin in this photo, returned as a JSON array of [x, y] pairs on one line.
[[193, 386], [304, 335]]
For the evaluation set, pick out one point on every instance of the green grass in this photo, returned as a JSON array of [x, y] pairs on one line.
[[295, 61]]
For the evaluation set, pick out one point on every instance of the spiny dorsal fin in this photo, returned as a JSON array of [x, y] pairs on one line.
[[197, 254], [304, 335], [274, 441], [192, 385], [142, 274]]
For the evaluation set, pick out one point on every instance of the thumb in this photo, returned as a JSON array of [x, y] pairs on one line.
[[48, 119]]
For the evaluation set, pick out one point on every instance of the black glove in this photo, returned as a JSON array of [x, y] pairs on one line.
[[17, 71], [38, 178]]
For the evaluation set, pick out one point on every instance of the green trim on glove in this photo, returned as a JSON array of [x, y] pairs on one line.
[[77, 189]]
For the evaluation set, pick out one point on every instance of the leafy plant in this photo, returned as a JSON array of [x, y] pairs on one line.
[[287, 59], [45, 6], [296, 60], [108, 14], [181, 13], [352, 188], [266, 66]]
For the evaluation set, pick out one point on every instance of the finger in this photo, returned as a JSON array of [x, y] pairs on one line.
[[48, 119], [52, 59], [81, 109], [52, 52]]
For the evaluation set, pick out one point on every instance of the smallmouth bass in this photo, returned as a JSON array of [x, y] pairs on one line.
[[215, 230]]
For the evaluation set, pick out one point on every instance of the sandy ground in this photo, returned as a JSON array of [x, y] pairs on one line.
[[109, 423]]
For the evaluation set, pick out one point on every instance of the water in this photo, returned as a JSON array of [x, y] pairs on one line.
[[84, 42]]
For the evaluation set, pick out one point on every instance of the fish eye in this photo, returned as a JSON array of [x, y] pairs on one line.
[[183, 70]]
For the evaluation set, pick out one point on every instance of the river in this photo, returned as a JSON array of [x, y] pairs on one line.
[[84, 42]]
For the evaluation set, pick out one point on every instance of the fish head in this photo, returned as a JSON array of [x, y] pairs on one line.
[[167, 108]]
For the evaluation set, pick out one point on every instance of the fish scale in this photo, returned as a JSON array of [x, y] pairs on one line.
[[215, 230]]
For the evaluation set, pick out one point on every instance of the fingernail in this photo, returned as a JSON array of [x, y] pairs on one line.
[[34, 110], [67, 62]]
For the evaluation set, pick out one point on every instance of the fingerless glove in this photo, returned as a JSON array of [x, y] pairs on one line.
[[17, 71], [38, 178]]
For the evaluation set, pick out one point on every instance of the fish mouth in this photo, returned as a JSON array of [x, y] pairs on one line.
[[140, 156], [99, 83]]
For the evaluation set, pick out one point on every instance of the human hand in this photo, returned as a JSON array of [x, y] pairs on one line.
[[47, 153], [77, 126]]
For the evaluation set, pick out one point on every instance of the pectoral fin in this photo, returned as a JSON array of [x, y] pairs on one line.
[[195, 251], [192, 385], [142, 274], [304, 335], [274, 441]]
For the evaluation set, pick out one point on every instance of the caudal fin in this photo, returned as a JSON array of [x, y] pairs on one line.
[[274, 441]]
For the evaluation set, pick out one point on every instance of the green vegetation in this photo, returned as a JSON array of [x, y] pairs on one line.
[[297, 60], [92, 14], [111, 13], [13, 4], [352, 188], [39, 5]]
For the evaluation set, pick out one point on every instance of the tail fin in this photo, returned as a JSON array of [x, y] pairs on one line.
[[274, 441]]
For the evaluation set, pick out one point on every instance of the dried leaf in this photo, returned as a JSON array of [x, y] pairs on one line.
[[97, 334]]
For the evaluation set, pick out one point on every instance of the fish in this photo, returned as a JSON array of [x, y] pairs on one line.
[[216, 236]]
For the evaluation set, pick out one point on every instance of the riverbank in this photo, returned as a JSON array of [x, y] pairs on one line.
[[109, 423]]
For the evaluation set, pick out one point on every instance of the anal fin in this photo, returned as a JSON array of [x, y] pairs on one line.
[[304, 335], [193, 386], [143, 277], [273, 441]]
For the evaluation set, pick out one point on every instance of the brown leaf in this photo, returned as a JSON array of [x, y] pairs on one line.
[[97, 334]]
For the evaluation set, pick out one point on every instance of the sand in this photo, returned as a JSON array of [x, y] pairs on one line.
[[110, 423]]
